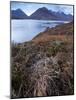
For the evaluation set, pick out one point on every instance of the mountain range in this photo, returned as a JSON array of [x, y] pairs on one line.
[[41, 14]]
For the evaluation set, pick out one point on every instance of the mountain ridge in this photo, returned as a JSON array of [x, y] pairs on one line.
[[41, 14]]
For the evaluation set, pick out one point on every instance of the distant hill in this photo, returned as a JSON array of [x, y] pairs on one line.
[[18, 14], [41, 14]]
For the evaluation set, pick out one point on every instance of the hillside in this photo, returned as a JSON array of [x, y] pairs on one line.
[[44, 66], [59, 31]]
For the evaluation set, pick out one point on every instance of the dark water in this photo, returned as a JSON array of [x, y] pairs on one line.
[[25, 30]]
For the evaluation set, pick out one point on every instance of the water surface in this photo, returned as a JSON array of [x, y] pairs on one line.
[[25, 30]]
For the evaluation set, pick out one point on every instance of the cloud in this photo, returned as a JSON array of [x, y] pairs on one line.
[[29, 8]]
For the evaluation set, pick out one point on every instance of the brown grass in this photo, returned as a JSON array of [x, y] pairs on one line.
[[46, 38]]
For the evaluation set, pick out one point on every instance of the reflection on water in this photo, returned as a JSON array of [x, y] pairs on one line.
[[25, 30]]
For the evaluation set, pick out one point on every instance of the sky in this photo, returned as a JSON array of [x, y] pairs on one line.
[[29, 8]]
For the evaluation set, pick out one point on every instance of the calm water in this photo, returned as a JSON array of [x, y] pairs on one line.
[[25, 30]]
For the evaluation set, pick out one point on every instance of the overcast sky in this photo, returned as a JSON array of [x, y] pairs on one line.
[[29, 8]]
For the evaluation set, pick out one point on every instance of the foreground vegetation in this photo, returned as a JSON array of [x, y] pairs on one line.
[[44, 66]]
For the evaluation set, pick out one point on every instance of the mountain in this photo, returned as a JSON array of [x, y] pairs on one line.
[[62, 15], [18, 14], [43, 13]]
